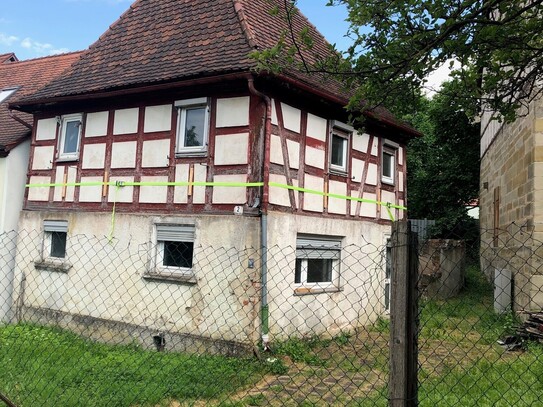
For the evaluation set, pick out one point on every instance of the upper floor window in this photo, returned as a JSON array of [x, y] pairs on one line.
[[388, 165], [70, 136], [192, 126], [339, 147]]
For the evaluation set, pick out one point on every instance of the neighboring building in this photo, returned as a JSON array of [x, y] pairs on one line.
[[169, 94], [511, 203], [17, 79]]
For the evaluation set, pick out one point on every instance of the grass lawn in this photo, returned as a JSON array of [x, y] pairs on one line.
[[49, 367], [460, 365]]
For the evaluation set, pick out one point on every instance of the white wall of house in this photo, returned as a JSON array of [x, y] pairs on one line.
[[358, 297], [116, 281], [12, 187]]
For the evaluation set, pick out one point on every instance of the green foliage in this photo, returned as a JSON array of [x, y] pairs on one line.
[[342, 339], [443, 176], [397, 44], [276, 366], [302, 350]]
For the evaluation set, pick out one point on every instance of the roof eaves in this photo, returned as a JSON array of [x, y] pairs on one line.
[[28, 104]]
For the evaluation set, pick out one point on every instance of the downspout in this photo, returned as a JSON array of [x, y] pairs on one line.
[[265, 154]]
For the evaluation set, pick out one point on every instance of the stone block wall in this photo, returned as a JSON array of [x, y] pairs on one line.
[[512, 185]]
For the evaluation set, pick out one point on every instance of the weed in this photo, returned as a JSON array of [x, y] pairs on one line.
[[255, 400], [343, 338], [302, 350]]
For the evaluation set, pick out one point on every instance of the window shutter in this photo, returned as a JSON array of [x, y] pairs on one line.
[[311, 247], [175, 233], [55, 226]]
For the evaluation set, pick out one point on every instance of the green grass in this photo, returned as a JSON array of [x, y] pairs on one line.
[[49, 367]]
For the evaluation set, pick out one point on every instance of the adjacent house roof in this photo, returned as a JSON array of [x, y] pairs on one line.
[[19, 79], [163, 41], [7, 58]]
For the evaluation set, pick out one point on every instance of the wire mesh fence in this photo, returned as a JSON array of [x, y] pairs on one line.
[[92, 321]]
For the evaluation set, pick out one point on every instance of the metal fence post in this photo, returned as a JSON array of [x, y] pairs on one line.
[[403, 317]]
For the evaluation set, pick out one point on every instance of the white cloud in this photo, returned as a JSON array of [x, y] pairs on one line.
[[8, 40], [433, 82], [35, 47]]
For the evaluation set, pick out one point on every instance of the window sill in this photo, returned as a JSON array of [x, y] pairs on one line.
[[387, 182], [300, 291], [52, 265], [183, 154], [170, 277], [67, 159], [338, 172]]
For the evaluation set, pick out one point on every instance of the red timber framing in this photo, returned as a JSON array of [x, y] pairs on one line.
[[256, 169], [356, 189]]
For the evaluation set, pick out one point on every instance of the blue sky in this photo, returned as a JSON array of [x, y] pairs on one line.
[[35, 28]]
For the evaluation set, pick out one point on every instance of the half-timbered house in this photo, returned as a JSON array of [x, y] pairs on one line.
[[163, 134]]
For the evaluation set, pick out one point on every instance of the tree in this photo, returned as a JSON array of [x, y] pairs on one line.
[[443, 176], [397, 44]]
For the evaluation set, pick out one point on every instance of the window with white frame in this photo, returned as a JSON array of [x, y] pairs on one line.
[[388, 164], [56, 233], [175, 249], [317, 261], [192, 126], [70, 136], [339, 146]]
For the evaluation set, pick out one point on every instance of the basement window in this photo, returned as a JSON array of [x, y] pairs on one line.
[[174, 253], [56, 233], [55, 240], [317, 264], [70, 136], [192, 126]]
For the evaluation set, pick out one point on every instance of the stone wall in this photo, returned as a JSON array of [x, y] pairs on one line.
[[512, 173], [442, 265]]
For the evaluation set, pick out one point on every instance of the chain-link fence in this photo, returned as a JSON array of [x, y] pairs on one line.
[[89, 321]]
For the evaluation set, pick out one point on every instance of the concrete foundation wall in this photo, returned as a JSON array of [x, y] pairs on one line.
[[105, 290], [111, 281]]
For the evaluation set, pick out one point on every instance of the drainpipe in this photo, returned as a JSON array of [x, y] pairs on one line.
[[265, 156]]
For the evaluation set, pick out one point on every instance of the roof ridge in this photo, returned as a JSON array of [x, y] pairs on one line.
[[116, 22], [245, 26], [39, 59]]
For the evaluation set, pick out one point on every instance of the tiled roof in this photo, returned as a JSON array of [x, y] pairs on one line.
[[162, 41], [157, 41], [7, 58], [28, 76], [165, 40]]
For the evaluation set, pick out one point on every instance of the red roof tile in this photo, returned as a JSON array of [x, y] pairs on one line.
[[28, 76], [161, 41], [7, 58]]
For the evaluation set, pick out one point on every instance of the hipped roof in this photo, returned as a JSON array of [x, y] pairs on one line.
[[164, 41]]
